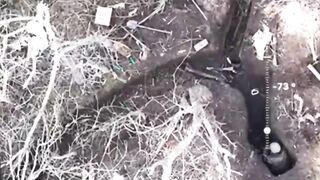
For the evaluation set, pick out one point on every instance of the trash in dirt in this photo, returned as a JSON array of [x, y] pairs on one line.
[[171, 20], [199, 9], [138, 42], [143, 55], [314, 71], [261, 39], [132, 60], [190, 69], [132, 24], [117, 68], [230, 69], [182, 51], [103, 16], [122, 49], [118, 6], [200, 45], [133, 12]]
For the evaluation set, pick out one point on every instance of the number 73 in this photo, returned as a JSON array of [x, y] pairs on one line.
[[282, 86]]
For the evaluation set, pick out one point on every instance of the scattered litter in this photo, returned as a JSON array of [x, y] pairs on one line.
[[181, 51], [118, 6], [143, 55], [230, 69], [189, 69], [117, 68], [132, 24], [260, 41], [202, 13], [103, 16], [171, 20], [314, 71], [132, 60], [200, 45], [122, 49], [229, 60], [137, 40], [133, 12]]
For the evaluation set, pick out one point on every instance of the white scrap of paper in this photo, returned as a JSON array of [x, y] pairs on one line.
[[103, 16], [260, 40], [200, 45]]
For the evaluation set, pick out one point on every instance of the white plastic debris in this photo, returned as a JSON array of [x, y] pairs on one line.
[[314, 71], [275, 147], [260, 41], [132, 24], [200, 45], [103, 16], [133, 12]]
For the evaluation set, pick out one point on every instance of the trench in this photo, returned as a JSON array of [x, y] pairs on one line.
[[159, 81], [251, 75]]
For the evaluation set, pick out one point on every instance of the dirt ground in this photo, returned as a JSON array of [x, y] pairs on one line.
[[291, 69], [150, 83], [188, 26]]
